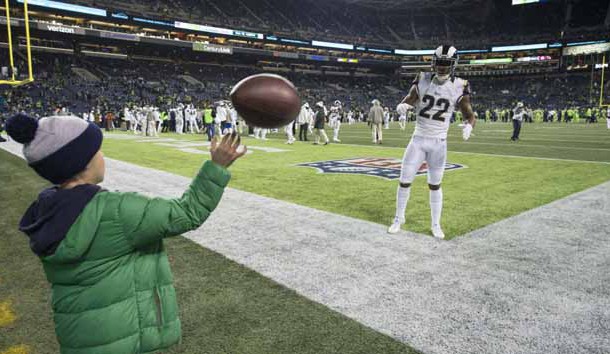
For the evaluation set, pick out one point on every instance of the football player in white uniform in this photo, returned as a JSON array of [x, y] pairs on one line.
[[350, 117], [180, 119], [608, 117], [139, 121], [334, 119], [233, 117], [191, 119], [386, 118], [435, 96], [402, 116]]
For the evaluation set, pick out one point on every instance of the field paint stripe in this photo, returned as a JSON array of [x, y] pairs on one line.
[[502, 144], [20, 349], [6, 314], [18, 153], [536, 146], [492, 155], [529, 137], [529, 157]]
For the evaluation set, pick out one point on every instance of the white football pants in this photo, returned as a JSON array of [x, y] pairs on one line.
[[289, 134], [336, 128], [192, 125], [179, 125], [420, 149]]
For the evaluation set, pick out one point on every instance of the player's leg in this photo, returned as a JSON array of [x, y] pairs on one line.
[[380, 133], [514, 130], [326, 140], [288, 132], [374, 130], [292, 132], [211, 131], [336, 131], [411, 162], [436, 158]]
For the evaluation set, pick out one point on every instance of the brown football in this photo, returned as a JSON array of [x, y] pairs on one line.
[[266, 100]]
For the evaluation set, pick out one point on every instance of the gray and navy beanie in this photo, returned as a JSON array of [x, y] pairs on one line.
[[57, 148]]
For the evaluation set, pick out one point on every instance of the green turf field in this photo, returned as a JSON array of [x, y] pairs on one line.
[[555, 140], [224, 307], [502, 178]]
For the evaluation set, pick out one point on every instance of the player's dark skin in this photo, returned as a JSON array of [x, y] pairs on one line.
[[465, 107]]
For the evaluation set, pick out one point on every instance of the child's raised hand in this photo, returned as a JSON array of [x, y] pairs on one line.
[[224, 153]]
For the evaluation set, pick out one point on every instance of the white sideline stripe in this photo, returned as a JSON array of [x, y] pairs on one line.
[[491, 155], [494, 144]]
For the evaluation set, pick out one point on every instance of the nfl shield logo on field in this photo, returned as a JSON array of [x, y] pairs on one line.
[[377, 167]]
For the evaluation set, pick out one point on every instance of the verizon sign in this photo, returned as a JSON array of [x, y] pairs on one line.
[[61, 29]]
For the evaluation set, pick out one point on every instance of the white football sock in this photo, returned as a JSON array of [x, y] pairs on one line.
[[402, 197], [436, 206]]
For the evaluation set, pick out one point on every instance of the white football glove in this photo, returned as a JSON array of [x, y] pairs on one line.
[[466, 131], [403, 108]]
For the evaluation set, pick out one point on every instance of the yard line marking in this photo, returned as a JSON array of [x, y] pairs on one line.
[[492, 155], [20, 349], [6, 314], [504, 144]]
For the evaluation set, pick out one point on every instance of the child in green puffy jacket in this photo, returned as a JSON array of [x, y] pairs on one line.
[[102, 252]]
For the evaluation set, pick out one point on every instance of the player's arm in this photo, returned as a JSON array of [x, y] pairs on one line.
[[466, 109], [412, 97], [467, 112]]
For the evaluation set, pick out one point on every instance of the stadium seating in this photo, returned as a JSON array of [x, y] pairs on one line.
[[123, 82], [334, 20]]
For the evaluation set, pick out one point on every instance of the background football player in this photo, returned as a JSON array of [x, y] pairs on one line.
[[386, 118], [191, 119], [336, 113], [435, 96], [402, 116], [180, 119], [518, 113]]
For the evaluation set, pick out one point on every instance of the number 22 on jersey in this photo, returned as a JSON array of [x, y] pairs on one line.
[[430, 102]]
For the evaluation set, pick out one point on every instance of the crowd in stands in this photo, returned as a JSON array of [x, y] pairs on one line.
[[125, 83], [402, 26]]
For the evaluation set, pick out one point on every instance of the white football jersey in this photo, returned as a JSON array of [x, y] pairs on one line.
[[436, 104], [335, 112]]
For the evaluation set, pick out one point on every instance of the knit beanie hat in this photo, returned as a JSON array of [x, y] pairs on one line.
[[57, 148]]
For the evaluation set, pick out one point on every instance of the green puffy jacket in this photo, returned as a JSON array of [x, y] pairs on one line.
[[111, 279]]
